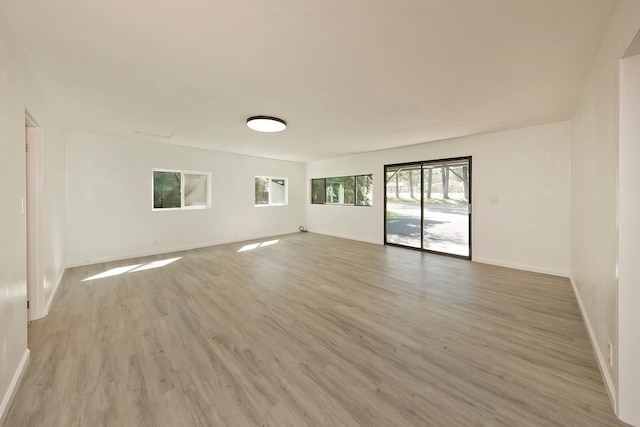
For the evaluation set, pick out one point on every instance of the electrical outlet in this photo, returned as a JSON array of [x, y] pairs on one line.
[[609, 354], [494, 201]]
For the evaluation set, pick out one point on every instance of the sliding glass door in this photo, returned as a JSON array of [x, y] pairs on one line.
[[428, 206], [403, 205]]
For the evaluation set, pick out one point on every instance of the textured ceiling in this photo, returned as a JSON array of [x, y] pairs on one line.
[[348, 76]]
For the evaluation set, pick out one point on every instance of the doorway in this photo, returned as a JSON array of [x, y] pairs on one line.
[[32, 208], [428, 206]]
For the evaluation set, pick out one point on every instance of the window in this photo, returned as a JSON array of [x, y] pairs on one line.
[[181, 189], [344, 190], [364, 190], [340, 190], [318, 192], [271, 191]]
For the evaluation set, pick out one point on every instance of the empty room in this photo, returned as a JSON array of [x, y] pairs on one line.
[[330, 213]]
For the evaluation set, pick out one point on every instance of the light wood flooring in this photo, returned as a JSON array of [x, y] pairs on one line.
[[312, 330]]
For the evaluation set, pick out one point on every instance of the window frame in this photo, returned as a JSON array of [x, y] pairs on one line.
[[270, 204], [182, 195], [355, 190]]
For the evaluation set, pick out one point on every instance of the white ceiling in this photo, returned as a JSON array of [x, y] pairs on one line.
[[347, 75]]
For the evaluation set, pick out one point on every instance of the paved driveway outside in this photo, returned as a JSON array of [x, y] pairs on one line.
[[446, 227]]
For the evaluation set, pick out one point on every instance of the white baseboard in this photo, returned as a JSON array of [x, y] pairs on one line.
[[602, 361], [54, 291], [345, 236], [176, 249], [13, 387], [541, 270]]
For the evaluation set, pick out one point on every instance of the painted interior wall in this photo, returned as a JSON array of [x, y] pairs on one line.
[[109, 198], [13, 285], [594, 195], [527, 170], [20, 90], [629, 242]]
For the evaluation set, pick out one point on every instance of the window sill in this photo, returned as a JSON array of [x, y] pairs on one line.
[[186, 208]]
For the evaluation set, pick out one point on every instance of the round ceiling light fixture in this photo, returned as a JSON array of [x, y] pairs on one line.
[[266, 124]]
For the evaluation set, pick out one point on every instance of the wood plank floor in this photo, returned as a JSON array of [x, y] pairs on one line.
[[312, 330]]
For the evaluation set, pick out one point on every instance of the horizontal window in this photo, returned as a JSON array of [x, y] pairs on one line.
[[175, 189], [355, 190], [271, 191]]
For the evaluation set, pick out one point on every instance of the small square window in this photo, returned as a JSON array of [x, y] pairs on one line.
[[181, 190], [271, 191]]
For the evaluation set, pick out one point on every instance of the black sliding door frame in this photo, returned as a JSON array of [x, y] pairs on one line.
[[422, 165]]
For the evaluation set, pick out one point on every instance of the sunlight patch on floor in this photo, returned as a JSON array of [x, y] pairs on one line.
[[253, 246], [132, 268], [156, 264]]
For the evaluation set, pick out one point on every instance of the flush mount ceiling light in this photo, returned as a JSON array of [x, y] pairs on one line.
[[266, 124]]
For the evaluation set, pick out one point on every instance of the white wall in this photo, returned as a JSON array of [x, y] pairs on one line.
[[526, 169], [109, 198], [629, 244], [594, 182], [13, 287], [19, 89]]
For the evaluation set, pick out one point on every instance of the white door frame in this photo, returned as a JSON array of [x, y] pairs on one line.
[[628, 349], [34, 218]]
